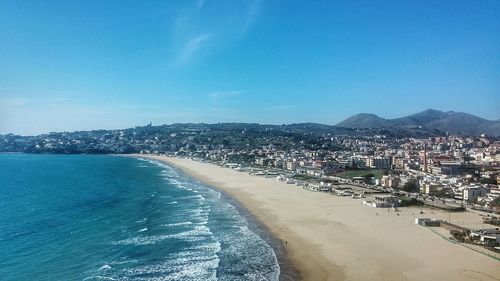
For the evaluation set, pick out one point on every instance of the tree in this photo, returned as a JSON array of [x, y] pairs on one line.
[[445, 193], [411, 186], [458, 235], [495, 203], [368, 178], [488, 181]]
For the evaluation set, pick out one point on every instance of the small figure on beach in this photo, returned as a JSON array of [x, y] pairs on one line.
[[286, 242]]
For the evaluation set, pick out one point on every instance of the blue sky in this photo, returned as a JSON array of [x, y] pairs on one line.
[[78, 65]]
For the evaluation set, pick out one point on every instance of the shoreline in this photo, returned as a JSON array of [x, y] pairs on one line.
[[333, 238], [287, 269], [310, 268]]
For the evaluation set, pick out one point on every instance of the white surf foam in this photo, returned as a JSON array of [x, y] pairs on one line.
[[177, 224], [105, 267], [199, 233]]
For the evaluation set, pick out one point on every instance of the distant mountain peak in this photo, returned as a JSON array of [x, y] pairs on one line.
[[363, 120], [450, 121], [431, 110]]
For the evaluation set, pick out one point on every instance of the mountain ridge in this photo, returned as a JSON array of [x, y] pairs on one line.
[[452, 122]]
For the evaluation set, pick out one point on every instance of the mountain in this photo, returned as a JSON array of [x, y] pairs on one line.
[[452, 122], [421, 118], [364, 120]]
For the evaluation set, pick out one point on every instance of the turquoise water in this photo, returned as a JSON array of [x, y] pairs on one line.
[[83, 217]]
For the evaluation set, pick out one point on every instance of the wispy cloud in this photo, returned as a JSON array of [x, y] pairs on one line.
[[206, 26], [253, 12], [222, 94], [192, 46]]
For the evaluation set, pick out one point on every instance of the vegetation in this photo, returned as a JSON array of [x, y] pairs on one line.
[[405, 201], [492, 220], [445, 193], [495, 203], [241, 158], [411, 186], [458, 235], [488, 181], [376, 173]]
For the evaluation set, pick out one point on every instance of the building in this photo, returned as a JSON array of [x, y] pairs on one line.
[[384, 201], [291, 166], [390, 181], [472, 193], [430, 187], [447, 168], [378, 162], [486, 236], [428, 222], [261, 161]]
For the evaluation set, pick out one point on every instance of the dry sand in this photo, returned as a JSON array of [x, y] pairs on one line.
[[335, 238]]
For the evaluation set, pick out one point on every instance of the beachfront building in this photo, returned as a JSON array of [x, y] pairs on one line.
[[428, 222], [486, 236], [383, 201]]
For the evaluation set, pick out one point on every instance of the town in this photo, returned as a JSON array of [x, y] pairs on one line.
[[394, 169], [460, 170]]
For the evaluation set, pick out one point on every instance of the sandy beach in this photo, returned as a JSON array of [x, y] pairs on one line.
[[335, 238]]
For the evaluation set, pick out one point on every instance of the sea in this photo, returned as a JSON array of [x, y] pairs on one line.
[[103, 217]]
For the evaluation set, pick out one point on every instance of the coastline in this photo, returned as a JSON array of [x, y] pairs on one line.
[[288, 271], [333, 238]]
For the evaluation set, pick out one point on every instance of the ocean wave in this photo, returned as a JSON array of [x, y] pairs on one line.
[[154, 162], [196, 196], [199, 233], [214, 246], [177, 224], [188, 270], [98, 277], [105, 267], [200, 214], [242, 242]]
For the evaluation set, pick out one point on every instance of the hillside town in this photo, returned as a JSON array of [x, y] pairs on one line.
[[450, 173], [453, 173], [460, 170]]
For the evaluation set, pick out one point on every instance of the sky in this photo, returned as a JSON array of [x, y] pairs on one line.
[[81, 65]]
